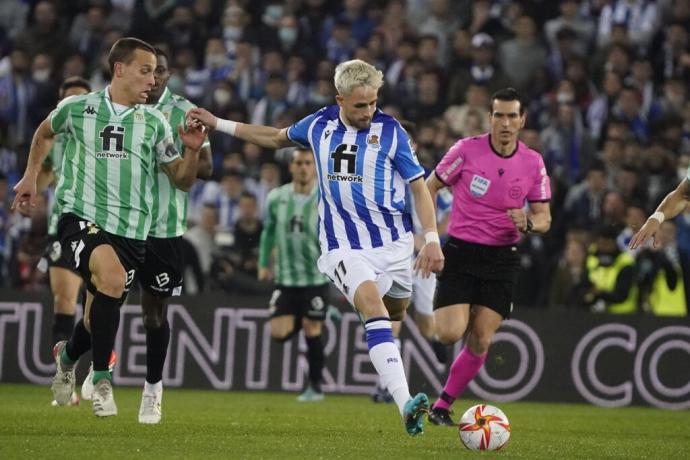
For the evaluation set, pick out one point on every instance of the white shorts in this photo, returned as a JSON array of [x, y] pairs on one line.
[[388, 266], [423, 290]]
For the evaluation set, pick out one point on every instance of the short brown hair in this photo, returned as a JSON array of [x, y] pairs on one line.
[[123, 51]]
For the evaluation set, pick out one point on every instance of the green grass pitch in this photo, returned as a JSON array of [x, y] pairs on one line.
[[236, 425]]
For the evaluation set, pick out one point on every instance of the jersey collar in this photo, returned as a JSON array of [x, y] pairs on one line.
[[109, 104], [165, 97]]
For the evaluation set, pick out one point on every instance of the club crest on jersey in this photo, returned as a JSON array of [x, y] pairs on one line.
[[373, 141], [479, 185], [139, 116]]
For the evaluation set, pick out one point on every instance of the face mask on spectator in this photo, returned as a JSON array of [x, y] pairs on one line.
[[232, 33], [215, 61], [287, 35], [564, 98], [41, 76], [221, 96]]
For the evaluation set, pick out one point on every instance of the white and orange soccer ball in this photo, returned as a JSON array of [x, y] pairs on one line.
[[484, 427]]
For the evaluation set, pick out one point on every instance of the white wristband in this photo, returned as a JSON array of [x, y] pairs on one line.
[[659, 216], [226, 126], [432, 237]]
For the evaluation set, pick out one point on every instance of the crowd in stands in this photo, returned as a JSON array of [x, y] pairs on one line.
[[606, 82]]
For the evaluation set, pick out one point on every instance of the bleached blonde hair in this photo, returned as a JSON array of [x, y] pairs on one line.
[[351, 74]]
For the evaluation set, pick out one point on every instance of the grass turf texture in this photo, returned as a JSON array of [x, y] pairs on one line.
[[217, 424]]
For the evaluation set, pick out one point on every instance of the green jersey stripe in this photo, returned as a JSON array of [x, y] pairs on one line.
[[109, 162], [292, 226]]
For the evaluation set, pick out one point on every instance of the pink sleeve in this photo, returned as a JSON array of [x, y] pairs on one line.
[[449, 168], [541, 189]]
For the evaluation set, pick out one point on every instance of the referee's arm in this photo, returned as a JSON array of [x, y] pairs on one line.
[[40, 147], [673, 204]]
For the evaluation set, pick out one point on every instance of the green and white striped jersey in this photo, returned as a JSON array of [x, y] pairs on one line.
[[54, 160], [110, 159], [291, 226], [170, 203]]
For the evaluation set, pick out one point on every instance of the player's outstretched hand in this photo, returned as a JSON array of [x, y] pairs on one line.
[[647, 231], [430, 259], [193, 137], [519, 218], [265, 274], [203, 116], [25, 197]]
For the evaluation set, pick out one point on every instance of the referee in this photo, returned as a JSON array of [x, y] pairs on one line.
[[492, 177]]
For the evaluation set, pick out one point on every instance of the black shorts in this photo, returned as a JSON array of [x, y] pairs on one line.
[[478, 274], [54, 256], [161, 274], [79, 238], [304, 302]]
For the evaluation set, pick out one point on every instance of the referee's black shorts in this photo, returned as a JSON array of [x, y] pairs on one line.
[[478, 274]]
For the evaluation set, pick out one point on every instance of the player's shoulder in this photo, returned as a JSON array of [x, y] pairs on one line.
[[150, 112], [77, 99], [181, 102], [385, 119], [329, 112], [279, 193], [472, 144], [529, 153]]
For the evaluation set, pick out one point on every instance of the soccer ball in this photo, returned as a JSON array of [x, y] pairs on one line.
[[484, 427]]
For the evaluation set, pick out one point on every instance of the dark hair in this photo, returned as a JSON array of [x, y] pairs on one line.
[[507, 94], [123, 51], [608, 232], [74, 82], [250, 195], [160, 52]]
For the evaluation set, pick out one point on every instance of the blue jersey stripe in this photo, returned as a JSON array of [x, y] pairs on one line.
[[350, 227], [358, 193], [386, 142], [327, 217]]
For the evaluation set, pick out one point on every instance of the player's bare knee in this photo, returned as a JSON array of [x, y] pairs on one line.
[[448, 336], [479, 341], [311, 327], [64, 304], [111, 283]]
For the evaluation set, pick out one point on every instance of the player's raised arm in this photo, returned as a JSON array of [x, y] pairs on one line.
[[40, 146], [430, 257], [672, 205], [265, 136], [183, 171]]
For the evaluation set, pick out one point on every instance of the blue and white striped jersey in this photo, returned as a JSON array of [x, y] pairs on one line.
[[362, 178]]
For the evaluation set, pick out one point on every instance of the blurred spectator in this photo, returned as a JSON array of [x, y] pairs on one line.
[[612, 275], [355, 15], [341, 45], [476, 104], [88, 30], [635, 217], [225, 197], [570, 282], [583, 202], [640, 17], [482, 71], [13, 17], [441, 23], [582, 27], [268, 108], [600, 108], [523, 55], [671, 55], [567, 147], [43, 33], [17, 96], [203, 237], [662, 288], [149, 18]]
